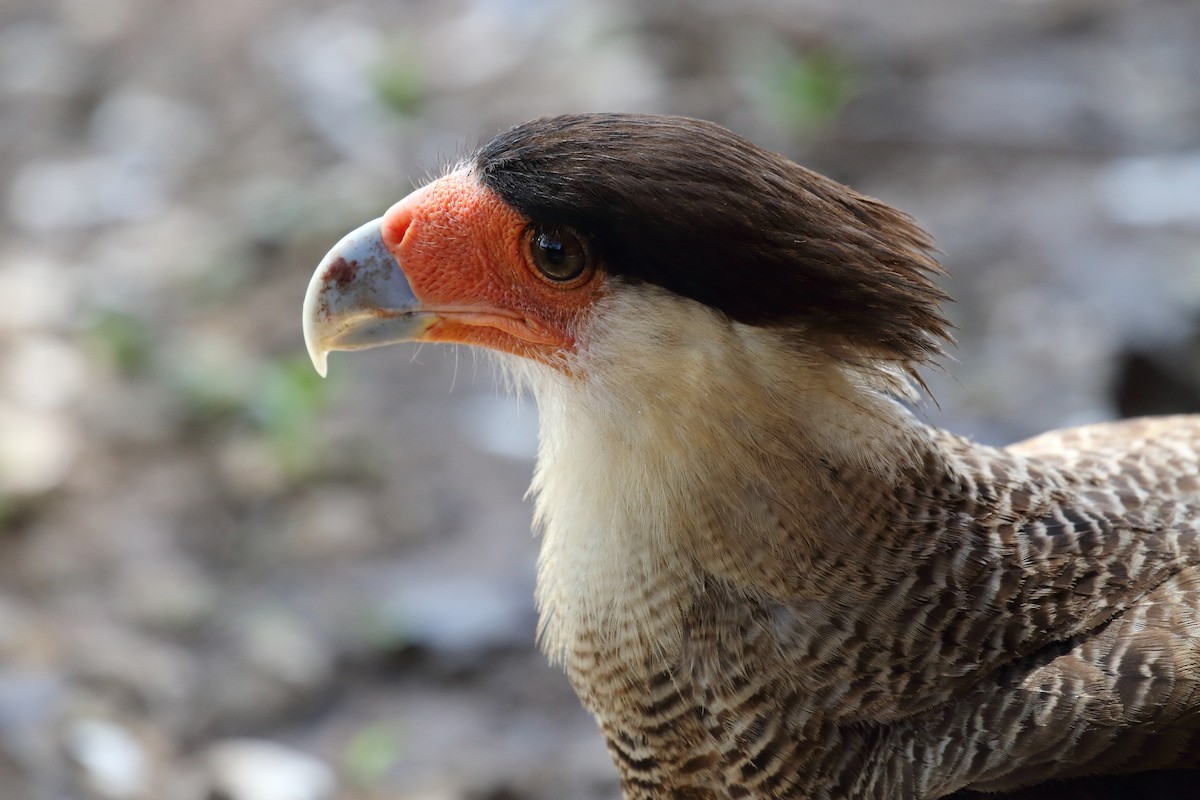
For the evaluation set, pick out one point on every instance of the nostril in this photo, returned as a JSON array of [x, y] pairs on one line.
[[395, 223]]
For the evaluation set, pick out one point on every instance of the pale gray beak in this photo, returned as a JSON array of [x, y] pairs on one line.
[[359, 297]]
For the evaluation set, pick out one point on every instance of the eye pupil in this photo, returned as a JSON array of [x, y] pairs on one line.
[[558, 253], [553, 250]]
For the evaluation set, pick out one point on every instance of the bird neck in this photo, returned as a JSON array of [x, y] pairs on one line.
[[695, 450]]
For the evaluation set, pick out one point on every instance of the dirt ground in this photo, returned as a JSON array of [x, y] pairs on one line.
[[223, 579]]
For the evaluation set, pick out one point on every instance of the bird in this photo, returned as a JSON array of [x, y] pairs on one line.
[[764, 574]]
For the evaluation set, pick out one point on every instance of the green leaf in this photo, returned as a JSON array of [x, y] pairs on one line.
[[399, 83], [812, 88], [124, 339], [370, 754], [286, 407]]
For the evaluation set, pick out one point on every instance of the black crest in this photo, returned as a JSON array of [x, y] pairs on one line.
[[690, 206]]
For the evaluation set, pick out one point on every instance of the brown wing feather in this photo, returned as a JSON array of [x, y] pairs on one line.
[[1143, 665]]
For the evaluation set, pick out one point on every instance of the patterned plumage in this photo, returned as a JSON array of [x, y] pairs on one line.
[[999, 618], [763, 575]]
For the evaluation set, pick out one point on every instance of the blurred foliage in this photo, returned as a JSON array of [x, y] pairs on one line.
[[210, 382], [370, 754], [809, 89], [215, 382], [285, 406], [123, 340], [398, 81], [280, 400]]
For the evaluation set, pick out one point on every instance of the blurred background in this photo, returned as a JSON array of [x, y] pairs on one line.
[[224, 579]]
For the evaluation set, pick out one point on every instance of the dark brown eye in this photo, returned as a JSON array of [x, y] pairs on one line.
[[557, 252]]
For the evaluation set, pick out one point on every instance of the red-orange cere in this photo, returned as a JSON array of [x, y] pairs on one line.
[[465, 253]]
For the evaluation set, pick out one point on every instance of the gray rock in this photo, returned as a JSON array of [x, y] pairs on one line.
[[257, 769], [113, 762]]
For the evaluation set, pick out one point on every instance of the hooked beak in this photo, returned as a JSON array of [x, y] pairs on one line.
[[359, 298]]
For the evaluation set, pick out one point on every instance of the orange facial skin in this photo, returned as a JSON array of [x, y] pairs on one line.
[[465, 253]]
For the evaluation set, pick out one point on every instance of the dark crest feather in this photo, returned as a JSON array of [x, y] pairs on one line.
[[690, 206]]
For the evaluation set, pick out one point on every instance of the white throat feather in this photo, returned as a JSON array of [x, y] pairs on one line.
[[666, 399]]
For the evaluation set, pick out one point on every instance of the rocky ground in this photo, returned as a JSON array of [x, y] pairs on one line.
[[223, 579]]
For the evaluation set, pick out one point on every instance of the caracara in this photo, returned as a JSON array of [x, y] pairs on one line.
[[763, 575]]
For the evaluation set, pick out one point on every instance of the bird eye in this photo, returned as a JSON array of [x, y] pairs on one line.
[[557, 252]]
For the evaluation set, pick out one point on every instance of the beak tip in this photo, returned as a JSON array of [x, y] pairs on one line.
[[320, 362], [312, 338], [358, 297]]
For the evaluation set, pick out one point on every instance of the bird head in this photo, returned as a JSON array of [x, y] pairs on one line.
[[714, 336], [566, 230]]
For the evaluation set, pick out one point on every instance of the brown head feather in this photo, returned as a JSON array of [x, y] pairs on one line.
[[689, 206]]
